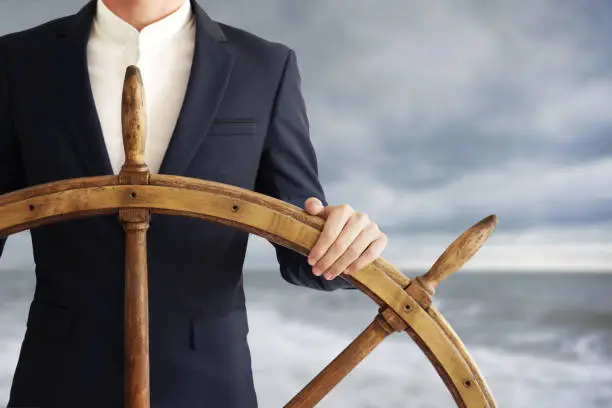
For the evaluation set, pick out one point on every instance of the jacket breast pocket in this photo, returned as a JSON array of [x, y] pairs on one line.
[[233, 127]]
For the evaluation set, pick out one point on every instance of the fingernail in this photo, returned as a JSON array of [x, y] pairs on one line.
[[328, 275], [310, 261], [316, 271]]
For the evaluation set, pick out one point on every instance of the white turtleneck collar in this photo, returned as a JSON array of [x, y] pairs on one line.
[[164, 53], [110, 27]]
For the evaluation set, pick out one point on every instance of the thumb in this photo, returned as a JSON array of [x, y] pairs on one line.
[[314, 206]]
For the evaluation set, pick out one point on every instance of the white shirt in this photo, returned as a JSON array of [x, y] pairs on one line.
[[163, 51]]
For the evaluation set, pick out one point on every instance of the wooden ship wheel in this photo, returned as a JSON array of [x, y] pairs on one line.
[[404, 305]]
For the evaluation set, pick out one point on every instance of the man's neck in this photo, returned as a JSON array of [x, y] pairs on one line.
[[141, 13]]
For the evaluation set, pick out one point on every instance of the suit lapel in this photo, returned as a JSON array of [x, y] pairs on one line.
[[210, 72], [75, 94]]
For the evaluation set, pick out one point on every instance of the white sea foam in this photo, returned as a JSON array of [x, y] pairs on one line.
[[589, 347], [287, 354], [288, 351], [9, 350]]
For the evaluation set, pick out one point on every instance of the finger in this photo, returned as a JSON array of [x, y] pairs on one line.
[[314, 206], [371, 254], [354, 251], [333, 226], [323, 211], [353, 228]]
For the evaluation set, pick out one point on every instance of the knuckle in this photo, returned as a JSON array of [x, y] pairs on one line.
[[322, 264], [338, 252], [354, 267], [370, 254], [346, 208], [326, 264], [335, 249], [316, 253], [361, 218], [324, 235], [325, 240], [353, 252]]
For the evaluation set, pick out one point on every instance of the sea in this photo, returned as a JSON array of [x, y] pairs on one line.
[[541, 340]]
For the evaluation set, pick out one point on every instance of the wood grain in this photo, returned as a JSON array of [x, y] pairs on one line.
[[137, 376], [135, 222], [133, 121], [280, 222], [342, 365], [458, 253], [405, 305]]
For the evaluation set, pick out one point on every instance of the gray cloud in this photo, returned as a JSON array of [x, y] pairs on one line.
[[431, 115]]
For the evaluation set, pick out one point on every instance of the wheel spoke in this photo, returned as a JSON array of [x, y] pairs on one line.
[[136, 313], [342, 365], [135, 222], [405, 304]]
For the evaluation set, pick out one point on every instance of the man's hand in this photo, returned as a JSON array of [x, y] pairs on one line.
[[349, 240]]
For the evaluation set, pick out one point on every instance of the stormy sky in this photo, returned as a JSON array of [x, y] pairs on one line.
[[431, 115]]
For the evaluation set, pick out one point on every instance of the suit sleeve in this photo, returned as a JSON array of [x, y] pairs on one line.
[[288, 171], [11, 168]]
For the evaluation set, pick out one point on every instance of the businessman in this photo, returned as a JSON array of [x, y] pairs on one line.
[[222, 105]]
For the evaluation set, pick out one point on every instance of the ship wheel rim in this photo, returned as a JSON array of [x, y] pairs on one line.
[[251, 211]]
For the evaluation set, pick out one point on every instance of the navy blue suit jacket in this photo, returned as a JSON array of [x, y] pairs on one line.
[[243, 123]]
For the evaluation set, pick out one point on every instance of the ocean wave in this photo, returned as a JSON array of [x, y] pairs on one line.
[[590, 347], [579, 319], [9, 351], [288, 353]]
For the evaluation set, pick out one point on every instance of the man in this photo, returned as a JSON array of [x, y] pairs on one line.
[[222, 105]]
